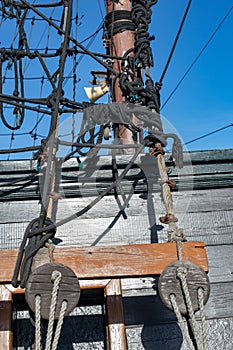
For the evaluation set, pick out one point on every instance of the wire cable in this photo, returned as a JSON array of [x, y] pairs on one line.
[[175, 42], [210, 133]]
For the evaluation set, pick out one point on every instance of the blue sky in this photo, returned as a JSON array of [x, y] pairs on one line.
[[203, 101]]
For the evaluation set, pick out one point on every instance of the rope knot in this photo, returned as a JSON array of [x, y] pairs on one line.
[[168, 218]]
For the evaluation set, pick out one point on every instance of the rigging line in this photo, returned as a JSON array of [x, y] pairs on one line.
[[30, 36], [43, 34], [19, 150], [10, 146], [101, 11], [96, 32], [19, 134], [13, 182], [70, 38], [93, 37], [50, 175], [39, 119], [89, 206], [210, 133], [11, 46], [197, 57], [175, 42]]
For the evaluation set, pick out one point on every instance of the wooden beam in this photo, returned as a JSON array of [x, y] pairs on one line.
[[115, 316], [5, 318], [114, 261]]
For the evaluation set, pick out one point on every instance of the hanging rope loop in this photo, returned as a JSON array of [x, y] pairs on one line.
[[56, 278]]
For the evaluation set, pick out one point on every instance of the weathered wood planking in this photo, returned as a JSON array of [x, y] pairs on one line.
[[214, 228], [115, 261], [201, 157], [184, 201], [205, 172]]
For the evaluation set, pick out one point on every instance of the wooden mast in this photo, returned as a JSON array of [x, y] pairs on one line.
[[119, 43]]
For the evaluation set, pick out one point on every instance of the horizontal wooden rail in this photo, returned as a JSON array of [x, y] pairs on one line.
[[114, 261]]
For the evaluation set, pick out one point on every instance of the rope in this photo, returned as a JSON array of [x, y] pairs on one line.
[[181, 274], [56, 279], [59, 325], [175, 42], [179, 250], [200, 296], [181, 321], [37, 323]]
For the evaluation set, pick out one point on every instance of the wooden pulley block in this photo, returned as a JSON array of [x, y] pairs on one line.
[[170, 283], [40, 283]]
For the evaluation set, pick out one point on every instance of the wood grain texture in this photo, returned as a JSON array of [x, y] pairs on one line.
[[115, 316], [5, 318], [197, 201], [115, 261]]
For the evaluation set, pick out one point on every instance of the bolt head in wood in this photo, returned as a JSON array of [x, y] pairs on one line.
[[169, 283], [40, 283]]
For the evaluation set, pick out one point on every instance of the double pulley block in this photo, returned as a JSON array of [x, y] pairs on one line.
[[41, 283], [180, 278]]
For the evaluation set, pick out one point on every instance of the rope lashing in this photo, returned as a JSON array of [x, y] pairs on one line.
[[168, 218], [141, 16], [171, 183], [117, 22], [156, 150]]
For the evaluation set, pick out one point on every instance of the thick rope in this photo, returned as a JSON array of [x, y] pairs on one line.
[[181, 274], [37, 323], [59, 325], [181, 323], [179, 250], [200, 294], [56, 279]]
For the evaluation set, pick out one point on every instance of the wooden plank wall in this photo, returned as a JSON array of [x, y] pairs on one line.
[[203, 205]]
